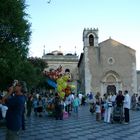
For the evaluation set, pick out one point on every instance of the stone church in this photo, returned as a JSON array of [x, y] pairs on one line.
[[108, 66]]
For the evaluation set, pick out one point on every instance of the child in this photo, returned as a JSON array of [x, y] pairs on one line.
[[76, 103], [98, 106], [98, 111]]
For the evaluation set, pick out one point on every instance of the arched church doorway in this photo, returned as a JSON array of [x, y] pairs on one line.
[[111, 89], [111, 82]]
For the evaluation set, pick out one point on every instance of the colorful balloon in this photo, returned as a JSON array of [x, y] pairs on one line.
[[65, 77], [59, 88], [62, 95], [72, 87], [60, 81]]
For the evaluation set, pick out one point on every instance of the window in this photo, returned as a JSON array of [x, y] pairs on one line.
[[67, 70], [111, 60], [91, 40]]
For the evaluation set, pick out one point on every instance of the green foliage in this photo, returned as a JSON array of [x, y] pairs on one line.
[[39, 65], [14, 27], [14, 40]]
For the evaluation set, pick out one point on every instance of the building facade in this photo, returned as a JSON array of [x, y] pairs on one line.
[[108, 66]]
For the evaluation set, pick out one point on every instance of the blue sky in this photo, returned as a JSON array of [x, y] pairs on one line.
[[61, 23]]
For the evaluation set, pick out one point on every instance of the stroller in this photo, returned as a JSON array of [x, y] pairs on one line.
[[117, 114], [138, 106]]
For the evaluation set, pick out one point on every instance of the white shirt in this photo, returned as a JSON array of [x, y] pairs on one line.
[[126, 103], [80, 96], [98, 109], [113, 98]]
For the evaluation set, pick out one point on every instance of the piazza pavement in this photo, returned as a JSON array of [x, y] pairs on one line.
[[83, 127]]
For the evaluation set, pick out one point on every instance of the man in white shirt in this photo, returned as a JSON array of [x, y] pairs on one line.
[[126, 105], [80, 97], [113, 99]]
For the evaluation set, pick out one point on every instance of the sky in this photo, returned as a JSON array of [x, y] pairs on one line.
[[59, 24]]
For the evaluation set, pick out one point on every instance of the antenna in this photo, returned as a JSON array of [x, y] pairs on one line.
[[60, 48], [44, 50], [75, 51]]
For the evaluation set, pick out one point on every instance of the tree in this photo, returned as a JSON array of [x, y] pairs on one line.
[[14, 27], [39, 65], [14, 40]]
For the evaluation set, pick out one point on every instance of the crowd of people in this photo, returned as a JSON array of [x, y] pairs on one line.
[[21, 104], [105, 107]]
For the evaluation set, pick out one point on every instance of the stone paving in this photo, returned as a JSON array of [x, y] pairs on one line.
[[82, 128]]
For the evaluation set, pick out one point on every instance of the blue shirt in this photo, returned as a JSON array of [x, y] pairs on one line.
[[15, 111], [76, 102]]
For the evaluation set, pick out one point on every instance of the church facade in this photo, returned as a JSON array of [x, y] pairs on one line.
[[108, 66]]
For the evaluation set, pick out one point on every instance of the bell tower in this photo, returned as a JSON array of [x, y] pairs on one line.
[[90, 37], [90, 47]]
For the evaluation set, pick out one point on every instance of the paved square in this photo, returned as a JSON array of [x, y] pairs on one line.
[[82, 128]]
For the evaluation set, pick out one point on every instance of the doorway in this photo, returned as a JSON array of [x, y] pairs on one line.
[[111, 89]]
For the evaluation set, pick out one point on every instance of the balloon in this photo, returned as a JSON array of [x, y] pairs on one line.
[[57, 77], [72, 87], [60, 80], [59, 88], [65, 77], [51, 83], [62, 95], [64, 85], [67, 92]]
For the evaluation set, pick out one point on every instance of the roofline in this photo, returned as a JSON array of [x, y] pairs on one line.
[[117, 42], [81, 57]]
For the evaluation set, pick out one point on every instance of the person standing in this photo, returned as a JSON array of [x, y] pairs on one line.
[[98, 111], [119, 99], [40, 106], [126, 105], [98, 106], [35, 106], [29, 105], [57, 107], [14, 116], [108, 109], [76, 103]]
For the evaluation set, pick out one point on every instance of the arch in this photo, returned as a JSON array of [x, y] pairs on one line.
[[91, 40], [91, 33], [111, 82], [110, 79], [67, 70], [111, 76]]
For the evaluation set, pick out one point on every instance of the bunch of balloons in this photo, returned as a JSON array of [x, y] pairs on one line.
[[62, 85], [54, 74], [64, 88]]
